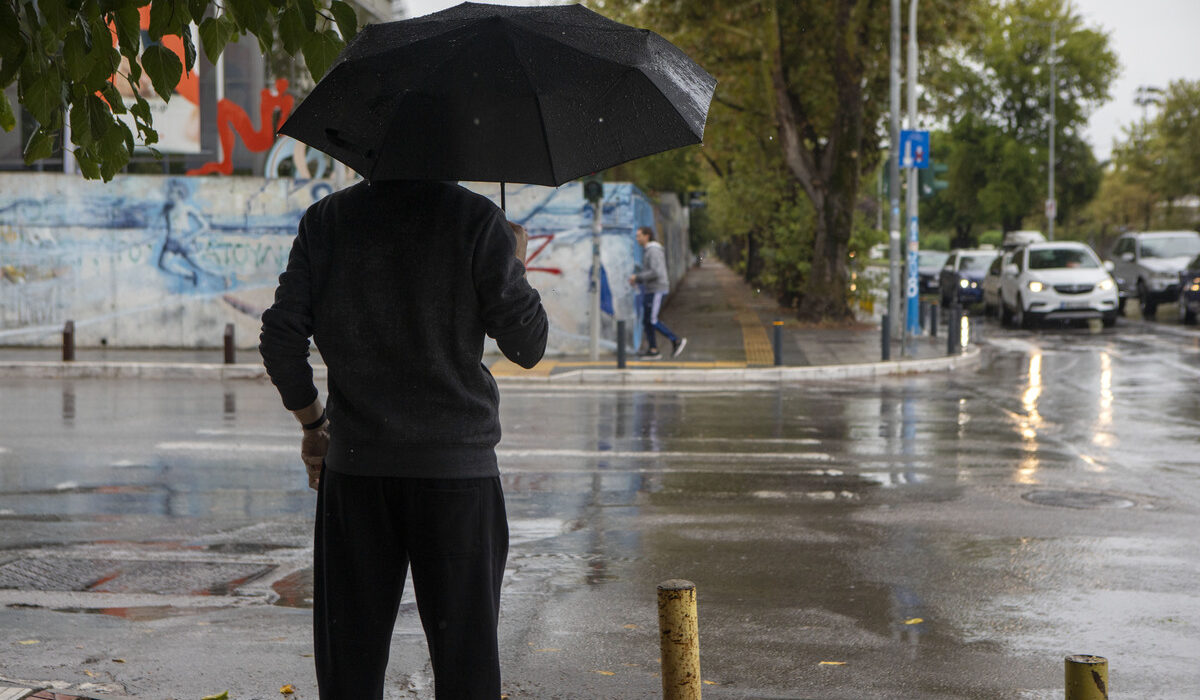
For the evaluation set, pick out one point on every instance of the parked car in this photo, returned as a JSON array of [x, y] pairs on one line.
[[1189, 292], [1016, 239], [990, 287], [1056, 281], [929, 267], [962, 276], [1147, 266]]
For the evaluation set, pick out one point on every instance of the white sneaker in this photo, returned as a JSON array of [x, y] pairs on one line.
[[678, 347]]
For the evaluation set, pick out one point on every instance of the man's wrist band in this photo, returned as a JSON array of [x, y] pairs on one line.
[[315, 424]]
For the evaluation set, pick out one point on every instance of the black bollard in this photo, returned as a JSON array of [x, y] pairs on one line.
[[923, 314], [953, 344], [885, 343], [68, 347], [933, 320], [620, 345], [778, 343], [230, 352]]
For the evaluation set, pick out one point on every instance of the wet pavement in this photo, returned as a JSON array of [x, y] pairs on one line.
[[938, 536]]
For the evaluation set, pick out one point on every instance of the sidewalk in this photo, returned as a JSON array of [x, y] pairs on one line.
[[729, 327]]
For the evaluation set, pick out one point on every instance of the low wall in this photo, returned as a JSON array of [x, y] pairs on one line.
[[151, 261]]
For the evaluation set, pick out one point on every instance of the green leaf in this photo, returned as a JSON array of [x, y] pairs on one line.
[[55, 14], [100, 117], [347, 21], [319, 52], [11, 65], [249, 15], [164, 69], [115, 150], [39, 146], [129, 33], [42, 96], [87, 165], [197, 8], [8, 120], [162, 19], [113, 97], [291, 29], [141, 109], [104, 63], [215, 33], [189, 49], [80, 133], [309, 12], [75, 55]]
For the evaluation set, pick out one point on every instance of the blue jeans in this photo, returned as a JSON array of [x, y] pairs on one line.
[[651, 303]]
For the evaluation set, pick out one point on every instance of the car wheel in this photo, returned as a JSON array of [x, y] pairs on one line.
[[1146, 305], [1109, 319], [1121, 305], [1005, 314], [1186, 316], [1021, 317]]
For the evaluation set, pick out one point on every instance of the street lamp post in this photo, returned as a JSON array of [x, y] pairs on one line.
[[1051, 203]]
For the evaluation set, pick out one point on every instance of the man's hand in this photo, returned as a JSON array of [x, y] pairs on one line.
[[522, 237], [633, 279], [315, 443]]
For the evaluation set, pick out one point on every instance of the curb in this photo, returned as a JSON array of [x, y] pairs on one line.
[[603, 378]]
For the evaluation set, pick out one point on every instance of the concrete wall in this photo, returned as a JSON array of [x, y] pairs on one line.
[[147, 261]]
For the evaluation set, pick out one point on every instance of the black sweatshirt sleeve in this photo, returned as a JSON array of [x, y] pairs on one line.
[[287, 326], [511, 309]]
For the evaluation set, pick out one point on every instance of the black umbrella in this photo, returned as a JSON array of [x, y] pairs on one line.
[[538, 95]]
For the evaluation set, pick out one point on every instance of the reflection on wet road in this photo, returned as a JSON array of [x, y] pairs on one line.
[[943, 536]]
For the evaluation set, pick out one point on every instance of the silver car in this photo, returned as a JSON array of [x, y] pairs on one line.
[[1147, 266]]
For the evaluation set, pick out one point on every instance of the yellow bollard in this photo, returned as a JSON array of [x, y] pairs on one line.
[[679, 640], [1086, 677]]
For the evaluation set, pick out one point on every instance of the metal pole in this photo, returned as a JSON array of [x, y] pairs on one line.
[[1086, 677], [885, 340], [68, 348], [597, 227], [778, 342], [894, 252], [933, 320], [679, 640], [621, 344], [230, 351], [913, 321], [1052, 204]]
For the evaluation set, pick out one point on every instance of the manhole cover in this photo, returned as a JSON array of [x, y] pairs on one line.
[[123, 576], [1077, 499]]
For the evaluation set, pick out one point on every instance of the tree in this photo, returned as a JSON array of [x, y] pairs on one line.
[[69, 58], [1000, 77]]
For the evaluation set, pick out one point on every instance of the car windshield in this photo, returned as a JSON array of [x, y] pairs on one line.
[[1170, 247], [1050, 258], [931, 258], [975, 262]]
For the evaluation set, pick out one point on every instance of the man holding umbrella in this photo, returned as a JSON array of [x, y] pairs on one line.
[[398, 279]]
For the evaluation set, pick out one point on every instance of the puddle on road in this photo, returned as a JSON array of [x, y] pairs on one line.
[[143, 613], [295, 590]]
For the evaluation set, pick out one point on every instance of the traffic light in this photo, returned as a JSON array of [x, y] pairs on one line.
[[928, 183]]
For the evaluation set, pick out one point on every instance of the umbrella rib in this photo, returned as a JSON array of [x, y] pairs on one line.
[[538, 100]]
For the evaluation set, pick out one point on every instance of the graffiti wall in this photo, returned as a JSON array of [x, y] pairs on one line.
[[148, 261]]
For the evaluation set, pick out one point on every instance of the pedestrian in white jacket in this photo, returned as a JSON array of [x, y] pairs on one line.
[[655, 283]]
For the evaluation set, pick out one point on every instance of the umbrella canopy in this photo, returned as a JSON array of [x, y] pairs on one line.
[[538, 95]]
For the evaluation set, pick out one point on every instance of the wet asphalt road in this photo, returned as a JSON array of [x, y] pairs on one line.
[[948, 536]]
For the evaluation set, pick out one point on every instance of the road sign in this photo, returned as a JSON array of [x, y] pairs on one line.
[[914, 149], [1051, 208]]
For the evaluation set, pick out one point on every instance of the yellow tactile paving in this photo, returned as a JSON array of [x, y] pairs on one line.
[[754, 335]]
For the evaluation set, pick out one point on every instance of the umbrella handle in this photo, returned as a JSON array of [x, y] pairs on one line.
[[503, 208]]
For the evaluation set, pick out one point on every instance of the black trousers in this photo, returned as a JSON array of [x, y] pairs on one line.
[[454, 533]]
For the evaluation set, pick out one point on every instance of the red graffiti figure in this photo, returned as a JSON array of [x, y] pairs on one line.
[[552, 270], [231, 117]]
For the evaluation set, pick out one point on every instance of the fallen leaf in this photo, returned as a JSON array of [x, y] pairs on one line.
[[27, 642], [548, 649], [118, 661], [287, 689], [605, 673], [709, 682], [223, 695], [833, 663], [88, 673], [630, 627], [913, 621]]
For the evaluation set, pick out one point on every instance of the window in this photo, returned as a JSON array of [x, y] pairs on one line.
[[974, 262], [1170, 246], [1055, 258], [995, 267]]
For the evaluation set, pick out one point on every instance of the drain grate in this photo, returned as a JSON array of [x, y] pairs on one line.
[[1083, 500], [128, 576]]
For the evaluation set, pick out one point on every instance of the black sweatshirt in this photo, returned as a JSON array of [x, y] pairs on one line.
[[397, 283]]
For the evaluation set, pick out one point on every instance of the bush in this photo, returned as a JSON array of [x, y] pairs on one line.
[[935, 241], [992, 238]]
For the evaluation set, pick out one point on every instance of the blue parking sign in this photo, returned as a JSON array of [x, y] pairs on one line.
[[914, 149]]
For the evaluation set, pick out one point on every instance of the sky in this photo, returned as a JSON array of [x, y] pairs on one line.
[[1155, 40]]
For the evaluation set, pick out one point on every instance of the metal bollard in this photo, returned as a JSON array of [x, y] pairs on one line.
[[922, 314], [954, 319], [230, 351], [68, 347], [620, 344], [1086, 677], [679, 640], [933, 320], [778, 342], [885, 342]]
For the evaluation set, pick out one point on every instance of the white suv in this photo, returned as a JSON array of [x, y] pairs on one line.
[[1147, 266], [1056, 281]]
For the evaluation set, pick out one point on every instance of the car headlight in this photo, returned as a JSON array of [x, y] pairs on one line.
[[1105, 285], [964, 283], [1035, 286]]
